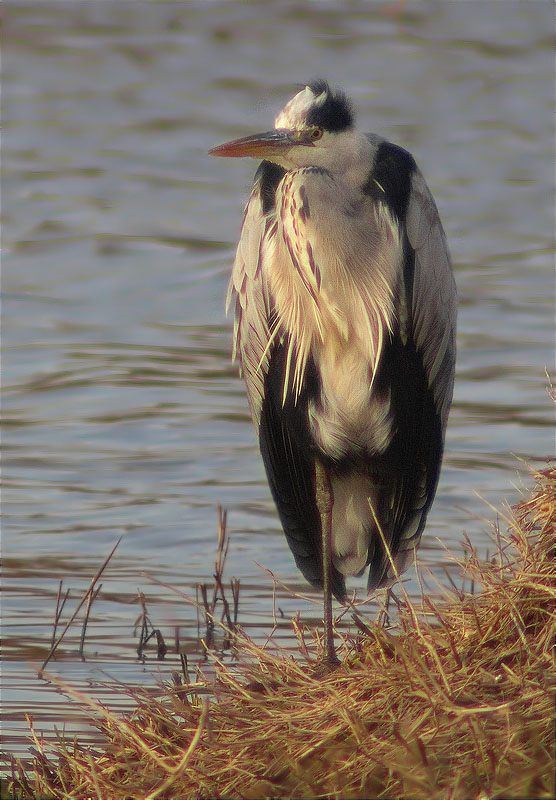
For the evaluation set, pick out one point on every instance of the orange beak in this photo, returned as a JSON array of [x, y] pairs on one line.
[[260, 145]]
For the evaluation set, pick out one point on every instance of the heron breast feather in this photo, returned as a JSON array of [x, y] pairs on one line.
[[347, 418]]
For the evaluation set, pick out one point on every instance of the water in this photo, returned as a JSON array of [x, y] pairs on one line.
[[123, 415]]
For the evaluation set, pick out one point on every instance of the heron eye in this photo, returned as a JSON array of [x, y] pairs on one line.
[[316, 134]]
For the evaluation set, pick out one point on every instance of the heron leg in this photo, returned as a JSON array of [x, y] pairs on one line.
[[325, 501], [384, 616]]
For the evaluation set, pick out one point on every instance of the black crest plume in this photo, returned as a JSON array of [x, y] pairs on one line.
[[335, 113]]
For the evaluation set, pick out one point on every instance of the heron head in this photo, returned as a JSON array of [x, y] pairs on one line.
[[307, 132]]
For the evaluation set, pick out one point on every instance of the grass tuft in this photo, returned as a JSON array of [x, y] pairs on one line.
[[457, 703]]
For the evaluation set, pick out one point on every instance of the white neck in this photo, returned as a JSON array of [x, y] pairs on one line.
[[347, 155]]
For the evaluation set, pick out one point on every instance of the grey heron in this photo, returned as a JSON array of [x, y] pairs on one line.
[[345, 316]]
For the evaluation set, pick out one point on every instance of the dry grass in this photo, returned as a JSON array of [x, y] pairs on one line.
[[457, 704]]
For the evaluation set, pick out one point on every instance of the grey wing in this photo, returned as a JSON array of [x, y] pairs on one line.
[[251, 322], [434, 296], [417, 370]]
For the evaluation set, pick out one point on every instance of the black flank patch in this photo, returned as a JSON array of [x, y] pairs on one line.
[[269, 176], [392, 170]]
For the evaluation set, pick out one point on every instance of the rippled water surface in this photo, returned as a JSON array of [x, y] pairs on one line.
[[123, 414]]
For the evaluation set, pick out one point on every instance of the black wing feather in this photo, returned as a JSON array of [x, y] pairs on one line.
[[410, 467], [286, 449]]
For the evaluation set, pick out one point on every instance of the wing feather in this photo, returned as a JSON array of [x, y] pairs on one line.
[[434, 306], [289, 459], [418, 366], [252, 322]]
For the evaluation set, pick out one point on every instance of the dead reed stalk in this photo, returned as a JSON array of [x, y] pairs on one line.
[[89, 596]]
